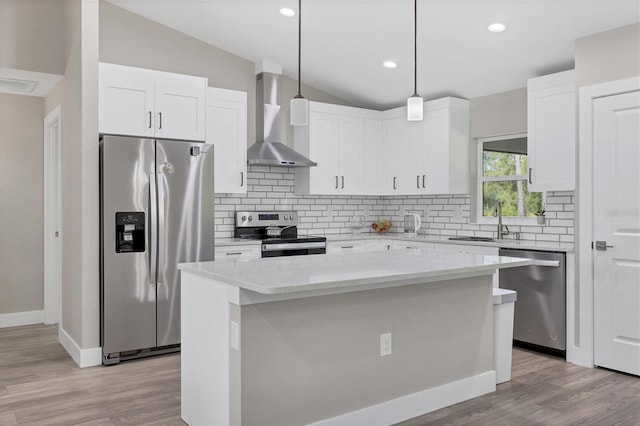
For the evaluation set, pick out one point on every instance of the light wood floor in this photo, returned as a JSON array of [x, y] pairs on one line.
[[41, 385]]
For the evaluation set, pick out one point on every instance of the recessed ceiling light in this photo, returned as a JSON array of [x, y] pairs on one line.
[[285, 11], [497, 27], [389, 64]]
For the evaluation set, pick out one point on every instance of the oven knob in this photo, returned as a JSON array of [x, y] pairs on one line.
[[250, 218], [291, 217], [286, 218], [244, 218]]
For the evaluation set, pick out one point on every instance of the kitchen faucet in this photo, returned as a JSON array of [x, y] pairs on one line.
[[502, 229]]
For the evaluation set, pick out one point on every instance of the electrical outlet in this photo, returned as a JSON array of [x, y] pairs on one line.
[[457, 212], [385, 344]]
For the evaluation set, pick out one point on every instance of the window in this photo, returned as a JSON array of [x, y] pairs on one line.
[[502, 175]]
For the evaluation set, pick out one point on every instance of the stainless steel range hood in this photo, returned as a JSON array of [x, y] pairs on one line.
[[269, 151]]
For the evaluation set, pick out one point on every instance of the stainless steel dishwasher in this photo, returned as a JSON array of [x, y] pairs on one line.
[[540, 312]]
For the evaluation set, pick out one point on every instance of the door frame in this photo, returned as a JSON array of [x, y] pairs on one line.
[[584, 347], [52, 215]]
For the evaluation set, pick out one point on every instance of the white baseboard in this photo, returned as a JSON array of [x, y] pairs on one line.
[[83, 357], [416, 404], [21, 318]]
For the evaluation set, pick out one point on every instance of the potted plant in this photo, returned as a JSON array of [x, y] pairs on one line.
[[540, 217]]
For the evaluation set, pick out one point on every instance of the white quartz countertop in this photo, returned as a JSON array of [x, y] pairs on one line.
[[291, 274]]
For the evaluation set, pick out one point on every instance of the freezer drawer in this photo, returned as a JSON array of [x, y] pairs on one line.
[[540, 312]]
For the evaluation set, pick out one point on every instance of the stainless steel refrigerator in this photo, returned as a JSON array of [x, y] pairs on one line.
[[156, 210]]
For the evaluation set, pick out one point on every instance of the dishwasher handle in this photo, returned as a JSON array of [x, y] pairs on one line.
[[548, 263]]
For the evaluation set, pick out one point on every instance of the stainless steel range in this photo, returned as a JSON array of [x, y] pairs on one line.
[[278, 232]]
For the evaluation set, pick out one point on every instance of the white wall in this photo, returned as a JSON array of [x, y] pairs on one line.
[[21, 205]]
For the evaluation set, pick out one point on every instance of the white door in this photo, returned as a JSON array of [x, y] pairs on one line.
[[52, 216], [351, 155], [227, 131], [616, 213], [126, 100]]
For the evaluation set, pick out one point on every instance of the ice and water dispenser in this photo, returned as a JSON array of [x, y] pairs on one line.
[[130, 232]]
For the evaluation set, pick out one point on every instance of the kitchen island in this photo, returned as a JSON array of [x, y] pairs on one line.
[[299, 340]]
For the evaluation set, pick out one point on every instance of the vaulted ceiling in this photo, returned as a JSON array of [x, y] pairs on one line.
[[344, 42]]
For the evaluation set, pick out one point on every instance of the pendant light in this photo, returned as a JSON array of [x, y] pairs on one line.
[[299, 106], [415, 102]]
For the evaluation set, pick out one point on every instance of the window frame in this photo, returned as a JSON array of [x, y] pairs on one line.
[[480, 180]]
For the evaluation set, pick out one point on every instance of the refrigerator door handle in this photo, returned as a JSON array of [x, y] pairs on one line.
[[161, 228], [153, 228]]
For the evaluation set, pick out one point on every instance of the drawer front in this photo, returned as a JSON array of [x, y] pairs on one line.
[[238, 252]]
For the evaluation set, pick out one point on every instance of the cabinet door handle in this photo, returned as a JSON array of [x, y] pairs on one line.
[[241, 178], [394, 182], [418, 181], [149, 119], [160, 126], [347, 247], [235, 253], [336, 182], [424, 177], [342, 186], [530, 170]]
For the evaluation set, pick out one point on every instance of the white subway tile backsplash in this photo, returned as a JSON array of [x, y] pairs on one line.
[[272, 188]]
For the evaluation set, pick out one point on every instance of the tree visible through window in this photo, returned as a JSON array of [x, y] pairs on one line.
[[503, 176]]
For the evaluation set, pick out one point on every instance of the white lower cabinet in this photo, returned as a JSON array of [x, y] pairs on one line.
[[410, 245], [347, 246], [248, 251]]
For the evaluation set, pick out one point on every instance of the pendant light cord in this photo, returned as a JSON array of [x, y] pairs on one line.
[[415, 48], [299, 95]]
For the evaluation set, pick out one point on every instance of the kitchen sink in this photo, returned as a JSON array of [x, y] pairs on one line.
[[483, 239]]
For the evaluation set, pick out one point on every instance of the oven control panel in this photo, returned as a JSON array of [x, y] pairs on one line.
[[253, 219]]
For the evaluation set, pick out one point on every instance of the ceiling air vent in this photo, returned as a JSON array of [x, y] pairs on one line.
[[18, 86]]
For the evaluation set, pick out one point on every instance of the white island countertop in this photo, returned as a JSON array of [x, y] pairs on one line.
[[348, 272]]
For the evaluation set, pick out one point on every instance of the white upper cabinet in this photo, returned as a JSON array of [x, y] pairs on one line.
[[428, 157], [141, 102], [372, 156], [335, 139], [445, 147], [227, 131], [551, 122]]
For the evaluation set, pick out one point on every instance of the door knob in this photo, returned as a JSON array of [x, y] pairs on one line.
[[602, 245]]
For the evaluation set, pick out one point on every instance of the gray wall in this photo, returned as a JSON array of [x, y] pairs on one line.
[[77, 94], [31, 36], [333, 342], [129, 39], [21, 192], [608, 56], [499, 114]]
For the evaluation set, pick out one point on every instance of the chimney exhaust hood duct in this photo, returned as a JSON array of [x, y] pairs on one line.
[[269, 151]]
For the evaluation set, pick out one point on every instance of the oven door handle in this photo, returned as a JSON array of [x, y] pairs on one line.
[[293, 246]]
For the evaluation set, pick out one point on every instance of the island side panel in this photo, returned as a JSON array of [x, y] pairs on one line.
[[205, 352], [310, 359]]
